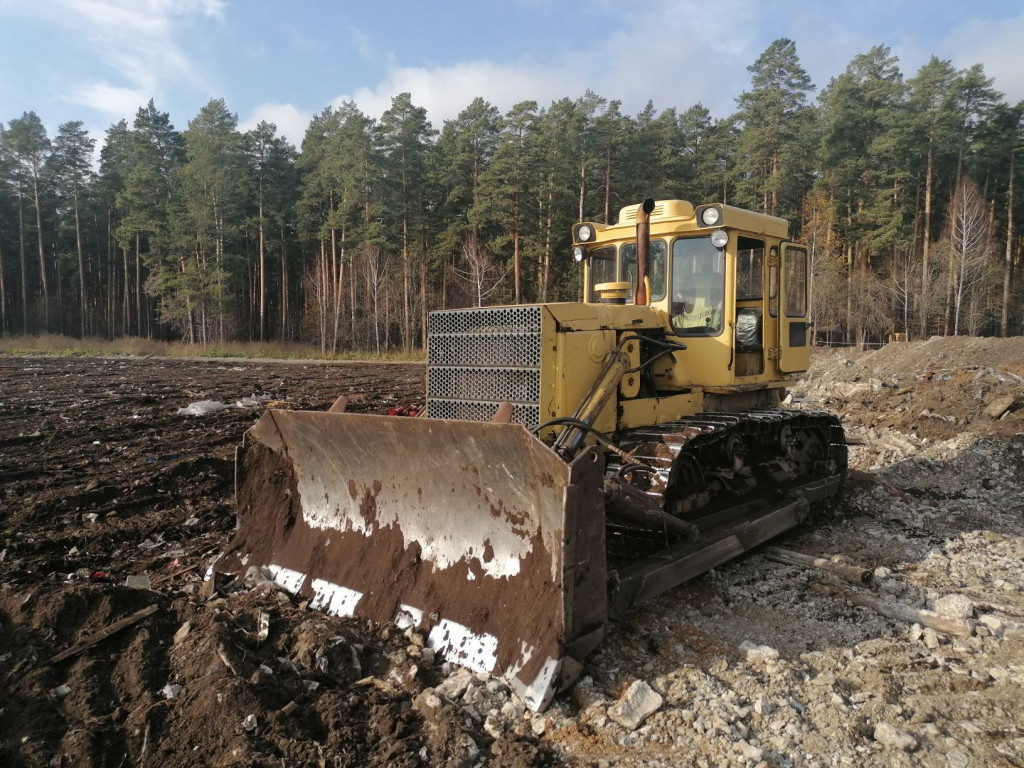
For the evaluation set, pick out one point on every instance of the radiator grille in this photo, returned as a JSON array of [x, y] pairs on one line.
[[480, 358]]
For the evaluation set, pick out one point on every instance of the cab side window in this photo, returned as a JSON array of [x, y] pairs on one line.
[[749, 269]]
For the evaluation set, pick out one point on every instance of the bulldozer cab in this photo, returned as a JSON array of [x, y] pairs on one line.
[[728, 282]]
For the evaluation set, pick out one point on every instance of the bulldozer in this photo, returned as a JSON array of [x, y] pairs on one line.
[[573, 459]]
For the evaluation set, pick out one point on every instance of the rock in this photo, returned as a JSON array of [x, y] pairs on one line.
[[762, 707], [891, 736], [170, 691], [182, 632], [639, 702], [957, 759], [994, 624], [539, 725], [755, 652], [931, 639], [493, 727], [427, 701], [915, 633], [954, 607], [249, 724], [456, 684], [750, 752], [999, 406]]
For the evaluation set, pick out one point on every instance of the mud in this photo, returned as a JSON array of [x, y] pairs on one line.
[[102, 480]]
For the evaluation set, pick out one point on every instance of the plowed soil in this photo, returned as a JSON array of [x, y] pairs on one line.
[[111, 501]]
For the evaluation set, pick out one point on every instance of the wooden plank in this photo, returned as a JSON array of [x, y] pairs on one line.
[[852, 573], [955, 627], [103, 634]]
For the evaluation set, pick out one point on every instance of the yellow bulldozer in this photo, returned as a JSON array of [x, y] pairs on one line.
[[574, 458]]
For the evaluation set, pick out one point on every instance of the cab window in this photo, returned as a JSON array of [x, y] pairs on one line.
[[602, 268], [796, 282], [698, 287], [655, 267], [749, 266]]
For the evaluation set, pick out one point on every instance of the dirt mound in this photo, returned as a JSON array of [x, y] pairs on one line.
[[933, 389]]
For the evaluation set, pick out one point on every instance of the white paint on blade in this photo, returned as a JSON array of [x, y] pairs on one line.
[[538, 694], [287, 578], [478, 652], [334, 599], [364, 474], [408, 617]]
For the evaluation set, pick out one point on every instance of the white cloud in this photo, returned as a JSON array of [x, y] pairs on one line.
[[109, 99], [291, 122], [136, 40], [446, 91], [675, 53]]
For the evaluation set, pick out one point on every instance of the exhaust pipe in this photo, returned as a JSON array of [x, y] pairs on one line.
[[643, 247]]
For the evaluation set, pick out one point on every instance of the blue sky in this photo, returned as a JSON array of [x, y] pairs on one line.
[[284, 60]]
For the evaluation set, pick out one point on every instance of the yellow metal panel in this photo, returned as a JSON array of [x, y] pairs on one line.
[[591, 317], [658, 410], [574, 369]]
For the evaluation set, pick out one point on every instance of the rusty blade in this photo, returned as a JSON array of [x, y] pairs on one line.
[[458, 528]]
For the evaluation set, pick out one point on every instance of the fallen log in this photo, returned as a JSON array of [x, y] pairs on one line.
[[104, 633], [955, 627], [851, 573]]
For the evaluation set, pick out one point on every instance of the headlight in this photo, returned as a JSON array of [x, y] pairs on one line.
[[579, 253], [584, 233], [719, 238], [710, 216]]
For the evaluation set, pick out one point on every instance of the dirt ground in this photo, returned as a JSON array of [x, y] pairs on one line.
[[104, 483]]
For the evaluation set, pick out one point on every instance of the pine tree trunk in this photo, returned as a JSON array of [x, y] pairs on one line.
[[138, 285], [263, 271], [1004, 317], [81, 270], [4, 324], [42, 257], [24, 263]]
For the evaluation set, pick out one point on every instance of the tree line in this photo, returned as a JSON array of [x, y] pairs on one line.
[[904, 190]]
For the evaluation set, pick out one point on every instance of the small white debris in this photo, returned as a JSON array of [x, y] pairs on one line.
[[755, 652], [182, 632], [201, 408], [61, 691], [249, 724], [954, 607], [639, 702], [891, 736], [170, 691], [456, 684]]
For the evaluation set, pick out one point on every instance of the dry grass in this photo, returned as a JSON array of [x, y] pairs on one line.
[[129, 346]]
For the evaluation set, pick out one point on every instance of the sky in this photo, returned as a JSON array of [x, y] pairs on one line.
[[283, 61]]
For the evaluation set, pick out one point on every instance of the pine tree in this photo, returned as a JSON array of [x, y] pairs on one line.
[[72, 176], [507, 187], [774, 116], [30, 148]]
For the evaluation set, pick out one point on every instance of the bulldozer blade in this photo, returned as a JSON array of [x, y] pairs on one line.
[[474, 532]]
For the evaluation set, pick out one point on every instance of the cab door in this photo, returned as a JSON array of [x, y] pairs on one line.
[[794, 321]]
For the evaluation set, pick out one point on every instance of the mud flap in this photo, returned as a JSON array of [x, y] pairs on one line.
[[474, 532]]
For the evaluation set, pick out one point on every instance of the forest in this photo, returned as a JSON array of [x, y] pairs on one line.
[[902, 187]]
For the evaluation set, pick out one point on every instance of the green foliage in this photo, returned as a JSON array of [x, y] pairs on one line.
[[212, 235]]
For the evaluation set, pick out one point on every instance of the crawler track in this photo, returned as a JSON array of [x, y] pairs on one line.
[[718, 470]]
